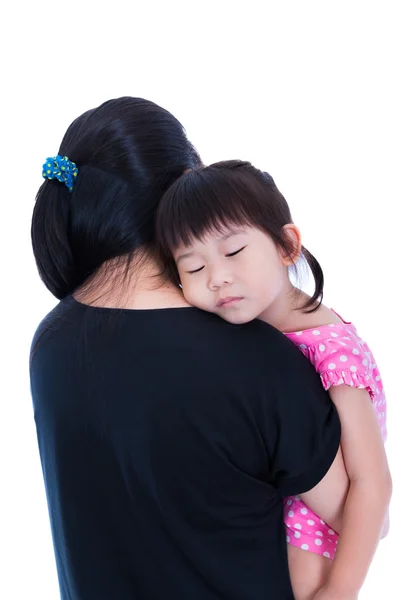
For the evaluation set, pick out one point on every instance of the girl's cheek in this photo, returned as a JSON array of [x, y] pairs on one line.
[[192, 293]]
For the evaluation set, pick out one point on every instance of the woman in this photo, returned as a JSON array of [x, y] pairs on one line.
[[166, 435]]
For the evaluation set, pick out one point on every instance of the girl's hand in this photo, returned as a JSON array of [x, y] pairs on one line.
[[328, 593]]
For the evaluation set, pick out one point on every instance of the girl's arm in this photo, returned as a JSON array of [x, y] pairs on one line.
[[328, 498], [369, 492]]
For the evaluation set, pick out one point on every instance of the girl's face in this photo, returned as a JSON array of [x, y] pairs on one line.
[[237, 273]]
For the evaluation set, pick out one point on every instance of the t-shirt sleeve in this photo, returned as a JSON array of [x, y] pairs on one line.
[[301, 424]]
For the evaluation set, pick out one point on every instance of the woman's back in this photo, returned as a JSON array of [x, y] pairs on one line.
[[158, 438]]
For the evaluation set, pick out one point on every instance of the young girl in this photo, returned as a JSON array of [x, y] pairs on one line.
[[227, 238]]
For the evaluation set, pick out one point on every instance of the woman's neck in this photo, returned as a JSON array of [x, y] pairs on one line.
[[135, 285]]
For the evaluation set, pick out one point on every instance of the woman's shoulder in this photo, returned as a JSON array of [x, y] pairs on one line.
[[48, 325]]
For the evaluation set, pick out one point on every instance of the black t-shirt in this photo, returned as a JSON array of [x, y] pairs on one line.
[[168, 439]]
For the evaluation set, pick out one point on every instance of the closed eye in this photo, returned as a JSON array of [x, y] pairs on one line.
[[195, 271], [236, 252]]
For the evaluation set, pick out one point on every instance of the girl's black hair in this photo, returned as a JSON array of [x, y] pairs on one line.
[[223, 194], [128, 152]]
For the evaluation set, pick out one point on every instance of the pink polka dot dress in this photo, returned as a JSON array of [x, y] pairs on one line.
[[340, 357]]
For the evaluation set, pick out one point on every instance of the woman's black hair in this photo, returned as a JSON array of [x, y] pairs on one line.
[[223, 194], [128, 152]]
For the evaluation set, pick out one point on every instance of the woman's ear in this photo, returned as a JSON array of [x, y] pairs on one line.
[[293, 236]]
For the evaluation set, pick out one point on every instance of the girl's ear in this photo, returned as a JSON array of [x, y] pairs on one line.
[[293, 236]]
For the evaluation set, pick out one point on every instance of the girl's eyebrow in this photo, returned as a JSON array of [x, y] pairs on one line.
[[231, 233], [184, 256], [223, 238]]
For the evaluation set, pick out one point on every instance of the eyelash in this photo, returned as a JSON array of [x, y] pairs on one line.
[[236, 252], [227, 255]]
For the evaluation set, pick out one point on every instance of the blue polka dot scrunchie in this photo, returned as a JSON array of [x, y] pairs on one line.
[[61, 168]]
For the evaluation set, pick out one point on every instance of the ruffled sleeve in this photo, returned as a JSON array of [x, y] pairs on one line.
[[344, 360], [341, 357]]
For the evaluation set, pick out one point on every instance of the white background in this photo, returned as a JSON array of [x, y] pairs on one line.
[[306, 90]]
